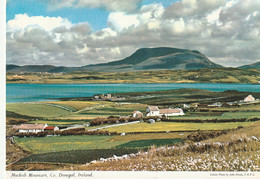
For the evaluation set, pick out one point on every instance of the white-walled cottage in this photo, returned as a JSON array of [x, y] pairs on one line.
[[171, 112], [33, 128], [152, 111], [155, 111], [249, 98]]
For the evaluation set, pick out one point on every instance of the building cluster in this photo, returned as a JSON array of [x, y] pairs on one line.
[[247, 100], [34, 128], [155, 111], [108, 97]]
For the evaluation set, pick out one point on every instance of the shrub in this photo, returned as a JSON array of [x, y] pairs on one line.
[[31, 134]]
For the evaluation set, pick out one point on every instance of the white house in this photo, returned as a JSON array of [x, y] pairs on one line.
[[34, 128], [249, 98], [152, 111], [155, 111], [171, 112], [137, 114]]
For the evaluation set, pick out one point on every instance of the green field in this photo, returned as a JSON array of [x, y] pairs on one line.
[[114, 109], [85, 142], [76, 156], [65, 143], [148, 143], [175, 126], [225, 115], [219, 75], [37, 109]]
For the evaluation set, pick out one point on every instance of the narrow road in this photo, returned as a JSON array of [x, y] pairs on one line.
[[114, 125]]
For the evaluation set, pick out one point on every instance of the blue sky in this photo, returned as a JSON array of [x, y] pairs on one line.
[[95, 16], [78, 33]]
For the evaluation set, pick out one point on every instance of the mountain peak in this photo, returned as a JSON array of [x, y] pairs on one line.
[[157, 58]]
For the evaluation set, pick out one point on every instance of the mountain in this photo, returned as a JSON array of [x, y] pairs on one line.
[[254, 65], [157, 59], [29, 68], [160, 58]]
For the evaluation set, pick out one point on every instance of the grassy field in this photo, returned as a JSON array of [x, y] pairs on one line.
[[66, 143], [37, 109], [79, 105], [114, 109], [225, 115], [221, 75], [174, 126], [76, 156], [148, 143], [236, 153], [60, 122], [247, 107]]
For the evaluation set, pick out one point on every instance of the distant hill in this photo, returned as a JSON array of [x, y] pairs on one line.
[[38, 68], [160, 58], [29, 68], [254, 65], [157, 59]]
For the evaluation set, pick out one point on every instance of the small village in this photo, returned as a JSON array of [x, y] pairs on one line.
[[151, 111]]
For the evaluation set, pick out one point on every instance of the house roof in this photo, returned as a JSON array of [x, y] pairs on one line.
[[170, 111], [49, 128], [31, 126], [153, 108]]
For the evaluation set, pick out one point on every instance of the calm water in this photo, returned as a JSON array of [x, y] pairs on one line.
[[43, 92]]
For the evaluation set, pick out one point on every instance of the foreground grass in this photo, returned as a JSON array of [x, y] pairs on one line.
[[75, 156], [229, 160], [175, 126], [66, 143], [235, 151]]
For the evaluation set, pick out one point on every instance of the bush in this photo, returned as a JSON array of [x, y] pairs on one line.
[[83, 132], [31, 134], [203, 135]]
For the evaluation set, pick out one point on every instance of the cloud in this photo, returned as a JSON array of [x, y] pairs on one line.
[[109, 5], [22, 21], [228, 32]]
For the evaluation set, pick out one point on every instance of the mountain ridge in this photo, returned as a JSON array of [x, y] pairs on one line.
[[250, 66], [143, 59]]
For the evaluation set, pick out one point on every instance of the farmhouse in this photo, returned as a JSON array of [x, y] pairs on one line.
[[155, 111], [34, 128], [51, 128], [137, 114], [249, 98], [152, 111]]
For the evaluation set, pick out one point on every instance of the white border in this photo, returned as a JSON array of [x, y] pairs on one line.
[[3, 85]]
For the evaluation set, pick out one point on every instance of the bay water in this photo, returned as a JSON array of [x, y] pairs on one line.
[[44, 92]]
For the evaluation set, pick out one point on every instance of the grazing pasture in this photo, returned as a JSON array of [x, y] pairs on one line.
[[175, 126], [65, 143], [148, 143], [76, 156], [37, 109], [219, 115]]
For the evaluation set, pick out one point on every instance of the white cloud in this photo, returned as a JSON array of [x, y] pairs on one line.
[[228, 32], [22, 21], [119, 21], [110, 5], [148, 14]]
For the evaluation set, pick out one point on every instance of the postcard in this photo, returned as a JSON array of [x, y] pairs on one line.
[[132, 89]]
